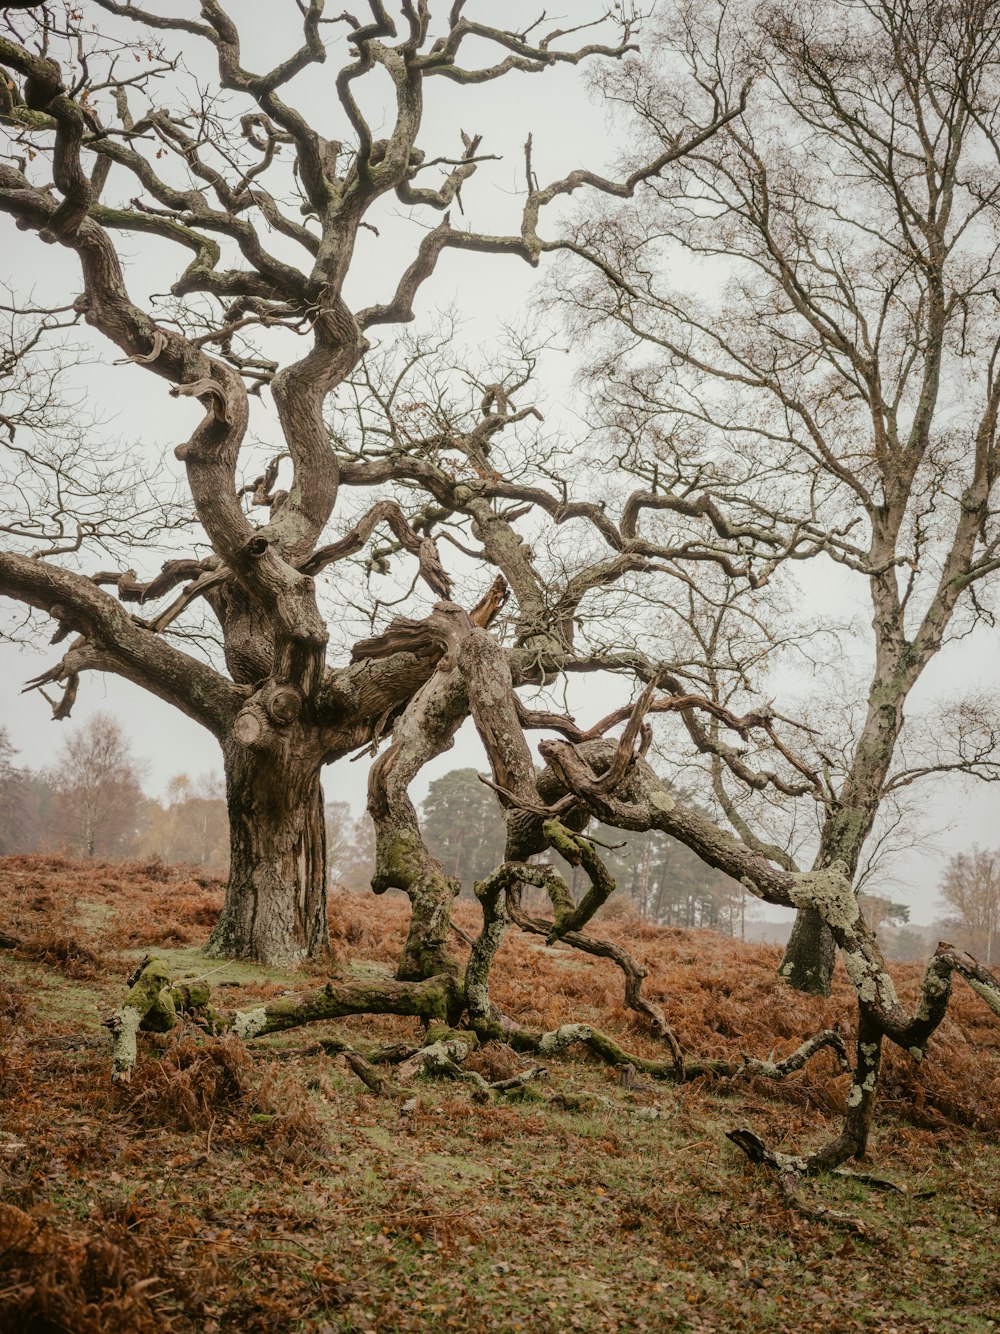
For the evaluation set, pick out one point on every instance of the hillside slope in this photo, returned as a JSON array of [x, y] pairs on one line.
[[262, 1187]]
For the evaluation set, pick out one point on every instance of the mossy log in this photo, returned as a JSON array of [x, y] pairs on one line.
[[606, 1049], [155, 1004]]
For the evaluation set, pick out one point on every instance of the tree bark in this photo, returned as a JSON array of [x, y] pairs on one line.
[[275, 909], [810, 954]]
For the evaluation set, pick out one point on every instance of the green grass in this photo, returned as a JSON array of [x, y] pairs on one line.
[[189, 962]]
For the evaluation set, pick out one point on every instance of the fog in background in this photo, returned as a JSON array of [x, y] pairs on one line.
[[485, 292]]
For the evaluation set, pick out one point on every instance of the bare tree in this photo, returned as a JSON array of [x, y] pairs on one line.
[[971, 888], [267, 212], [10, 793], [577, 567], [191, 824], [351, 847], [878, 911], [28, 805], [98, 785], [846, 375]]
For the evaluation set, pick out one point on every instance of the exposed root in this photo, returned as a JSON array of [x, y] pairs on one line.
[[388, 1055], [439, 1060], [154, 1004], [634, 973], [609, 1051], [850, 1143], [598, 1102], [363, 1066], [514, 1081], [788, 1172]]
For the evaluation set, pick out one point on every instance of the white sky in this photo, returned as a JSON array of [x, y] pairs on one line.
[[569, 130]]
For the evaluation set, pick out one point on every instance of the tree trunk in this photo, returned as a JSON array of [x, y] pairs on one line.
[[810, 954], [275, 909], [426, 952]]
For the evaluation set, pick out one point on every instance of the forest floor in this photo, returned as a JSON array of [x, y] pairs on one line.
[[263, 1188]]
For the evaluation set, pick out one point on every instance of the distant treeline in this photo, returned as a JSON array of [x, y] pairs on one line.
[[90, 803], [658, 879]]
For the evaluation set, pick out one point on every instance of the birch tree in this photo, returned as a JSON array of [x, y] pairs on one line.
[[849, 364], [971, 888], [97, 783]]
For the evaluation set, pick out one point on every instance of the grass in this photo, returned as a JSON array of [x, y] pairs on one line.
[[263, 1189], [188, 963]]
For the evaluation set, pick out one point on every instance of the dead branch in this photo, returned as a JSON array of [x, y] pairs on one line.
[[788, 1171], [634, 973], [155, 1004], [386, 511]]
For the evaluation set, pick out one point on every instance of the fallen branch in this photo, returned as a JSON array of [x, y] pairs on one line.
[[633, 971], [788, 1172], [155, 1004], [370, 1077]]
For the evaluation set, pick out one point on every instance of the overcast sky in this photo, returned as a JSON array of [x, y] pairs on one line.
[[569, 130]]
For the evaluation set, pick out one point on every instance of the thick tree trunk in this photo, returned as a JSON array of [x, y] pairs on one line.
[[275, 909]]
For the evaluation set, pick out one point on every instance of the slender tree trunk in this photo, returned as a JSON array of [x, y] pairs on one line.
[[810, 953], [659, 917], [275, 909]]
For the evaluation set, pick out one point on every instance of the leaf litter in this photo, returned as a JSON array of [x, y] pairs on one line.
[[234, 1188]]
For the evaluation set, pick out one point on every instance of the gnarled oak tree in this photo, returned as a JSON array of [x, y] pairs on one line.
[[270, 249], [263, 203]]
